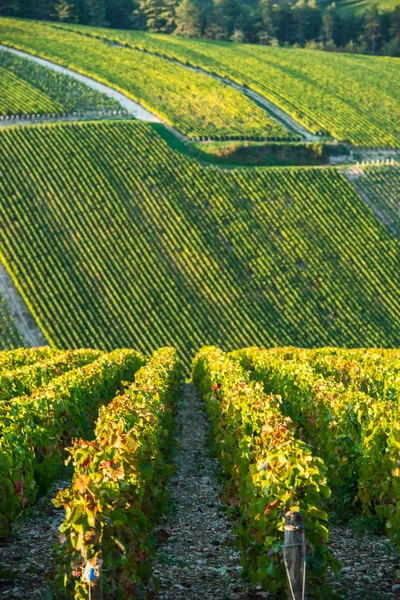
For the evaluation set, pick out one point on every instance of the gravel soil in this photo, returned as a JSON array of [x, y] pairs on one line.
[[25, 558], [198, 559], [371, 565]]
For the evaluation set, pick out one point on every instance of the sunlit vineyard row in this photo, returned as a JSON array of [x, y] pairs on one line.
[[18, 97], [119, 490], [11, 360], [27, 88], [145, 247], [381, 185], [361, 106], [23, 380], [318, 433], [36, 428], [196, 104], [346, 403], [270, 471]]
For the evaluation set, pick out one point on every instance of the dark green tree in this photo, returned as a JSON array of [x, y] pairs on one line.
[[372, 29], [266, 22], [42, 9], [307, 22], [187, 20], [119, 13], [159, 15], [223, 19], [95, 12], [284, 23], [9, 8], [331, 26]]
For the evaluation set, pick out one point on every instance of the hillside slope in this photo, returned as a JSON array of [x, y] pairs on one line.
[[27, 88], [117, 240], [361, 106], [381, 188], [10, 338], [194, 103], [361, 6]]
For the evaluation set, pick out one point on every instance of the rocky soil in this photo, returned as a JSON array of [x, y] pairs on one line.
[[25, 558], [198, 559], [371, 564]]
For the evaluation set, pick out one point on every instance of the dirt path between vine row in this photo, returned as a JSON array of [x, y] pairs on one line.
[[25, 558], [132, 108], [20, 312], [199, 559], [352, 175]]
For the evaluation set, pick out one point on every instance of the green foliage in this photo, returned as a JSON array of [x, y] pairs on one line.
[[187, 255], [187, 19], [18, 97], [381, 184], [197, 105], [22, 381], [119, 484], [346, 403], [9, 335], [270, 470], [28, 88], [15, 359], [35, 429], [261, 154], [361, 106]]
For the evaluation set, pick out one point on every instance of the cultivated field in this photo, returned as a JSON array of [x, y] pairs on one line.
[[316, 432], [381, 185], [361, 106], [28, 88], [165, 468], [195, 104], [9, 336], [146, 247]]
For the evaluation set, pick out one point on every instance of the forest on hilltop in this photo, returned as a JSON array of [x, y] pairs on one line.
[[302, 24]]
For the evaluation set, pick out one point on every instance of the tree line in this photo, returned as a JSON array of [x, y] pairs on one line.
[[303, 24]]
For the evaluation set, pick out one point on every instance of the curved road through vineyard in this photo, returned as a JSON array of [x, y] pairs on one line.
[[133, 108]]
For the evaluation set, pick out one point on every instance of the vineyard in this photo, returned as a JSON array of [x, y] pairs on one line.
[[314, 431], [146, 248], [28, 88], [294, 430], [360, 6], [381, 185], [223, 327], [37, 427], [116, 489], [361, 106], [9, 336], [195, 104]]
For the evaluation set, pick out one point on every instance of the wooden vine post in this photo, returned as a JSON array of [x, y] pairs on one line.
[[93, 577], [294, 552]]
